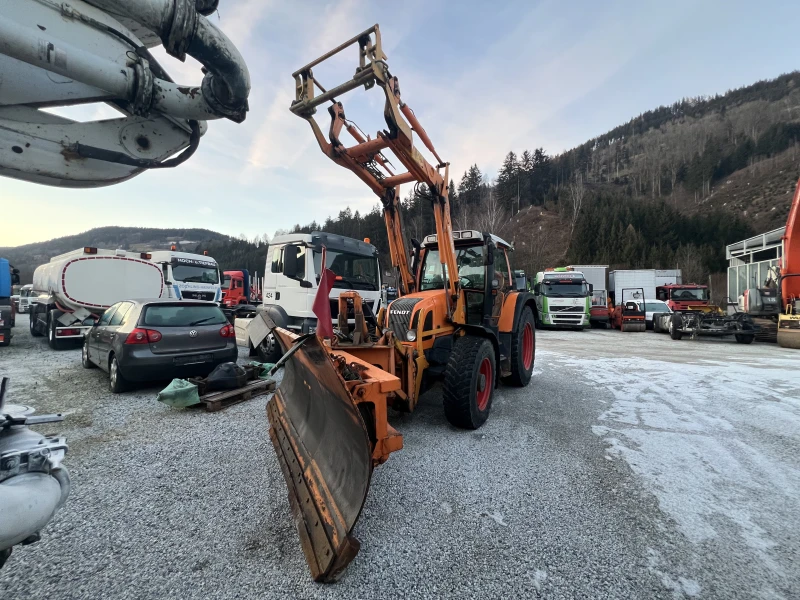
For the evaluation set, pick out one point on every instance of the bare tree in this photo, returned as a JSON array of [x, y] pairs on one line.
[[576, 193], [492, 215], [690, 264]]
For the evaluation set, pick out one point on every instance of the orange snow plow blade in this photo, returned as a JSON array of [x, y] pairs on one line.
[[324, 450]]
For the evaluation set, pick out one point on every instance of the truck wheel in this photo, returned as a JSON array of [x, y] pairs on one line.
[[742, 338], [32, 323], [523, 350], [269, 351], [657, 322], [469, 382], [52, 340], [675, 324], [85, 362], [116, 381]]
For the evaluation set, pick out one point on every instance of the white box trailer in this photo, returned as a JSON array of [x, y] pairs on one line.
[[596, 275], [73, 288], [647, 279]]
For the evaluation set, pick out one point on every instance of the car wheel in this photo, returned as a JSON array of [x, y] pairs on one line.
[[116, 381], [87, 364]]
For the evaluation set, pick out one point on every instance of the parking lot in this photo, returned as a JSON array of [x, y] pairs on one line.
[[633, 466]]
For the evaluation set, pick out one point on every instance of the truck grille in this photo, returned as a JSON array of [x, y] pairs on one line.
[[563, 309], [208, 296], [400, 316]]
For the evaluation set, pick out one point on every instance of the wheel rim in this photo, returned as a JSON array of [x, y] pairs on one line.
[[485, 382], [85, 354], [114, 372], [52, 333], [527, 346]]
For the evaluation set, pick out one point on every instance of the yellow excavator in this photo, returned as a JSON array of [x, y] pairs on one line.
[[459, 319]]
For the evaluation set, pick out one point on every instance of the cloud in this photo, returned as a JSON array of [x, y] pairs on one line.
[[205, 210]]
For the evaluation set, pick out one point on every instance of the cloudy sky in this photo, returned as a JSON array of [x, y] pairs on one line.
[[483, 78]]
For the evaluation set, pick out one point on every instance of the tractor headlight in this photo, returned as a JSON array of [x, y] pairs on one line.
[[411, 336]]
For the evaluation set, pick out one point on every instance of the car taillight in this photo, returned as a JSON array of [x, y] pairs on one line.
[[68, 331], [143, 336], [227, 331]]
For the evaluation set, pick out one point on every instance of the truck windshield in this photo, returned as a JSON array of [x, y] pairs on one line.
[[471, 271], [226, 282], [565, 289], [682, 294], [195, 274], [353, 271]]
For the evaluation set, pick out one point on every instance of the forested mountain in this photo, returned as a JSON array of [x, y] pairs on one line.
[[669, 188], [230, 250]]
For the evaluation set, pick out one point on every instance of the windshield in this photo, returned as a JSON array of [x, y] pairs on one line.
[[656, 306], [683, 294], [226, 282], [173, 315], [471, 271], [567, 288], [195, 274], [23, 293], [353, 271]]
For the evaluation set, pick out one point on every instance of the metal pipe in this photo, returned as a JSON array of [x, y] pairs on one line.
[[302, 107], [39, 49], [336, 50]]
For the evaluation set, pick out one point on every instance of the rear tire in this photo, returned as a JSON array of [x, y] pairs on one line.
[[675, 324], [742, 338], [116, 381], [523, 350], [52, 339], [32, 323], [269, 351], [657, 322], [469, 382]]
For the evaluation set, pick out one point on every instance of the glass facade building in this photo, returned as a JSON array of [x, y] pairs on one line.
[[749, 261]]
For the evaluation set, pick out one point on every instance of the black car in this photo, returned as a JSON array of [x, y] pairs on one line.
[[149, 340]]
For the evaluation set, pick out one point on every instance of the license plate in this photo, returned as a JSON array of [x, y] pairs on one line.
[[191, 360]]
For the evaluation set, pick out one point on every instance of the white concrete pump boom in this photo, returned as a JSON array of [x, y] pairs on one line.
[[55, 53]]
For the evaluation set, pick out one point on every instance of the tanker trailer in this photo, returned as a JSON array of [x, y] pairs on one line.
[[74, 289]]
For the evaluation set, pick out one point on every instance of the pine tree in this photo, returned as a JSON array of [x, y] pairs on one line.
[[508, 183]]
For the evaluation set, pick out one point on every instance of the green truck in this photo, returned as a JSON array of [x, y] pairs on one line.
[[563, 299]]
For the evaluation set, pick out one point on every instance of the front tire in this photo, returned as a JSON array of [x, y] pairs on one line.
[[675, 324], [469, 382], [523, 350], [85, 362], [116, 381]]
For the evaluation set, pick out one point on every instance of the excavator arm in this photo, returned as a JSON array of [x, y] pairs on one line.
[[366, 158]]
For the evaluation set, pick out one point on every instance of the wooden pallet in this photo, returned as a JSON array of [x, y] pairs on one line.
[[215, 401]]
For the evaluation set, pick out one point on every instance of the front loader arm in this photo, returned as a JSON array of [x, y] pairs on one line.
[[366, 157]]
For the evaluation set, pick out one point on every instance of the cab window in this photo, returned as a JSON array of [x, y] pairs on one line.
[[501, 271]]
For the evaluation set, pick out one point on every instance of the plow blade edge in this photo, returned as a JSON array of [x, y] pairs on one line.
[[325, 455]]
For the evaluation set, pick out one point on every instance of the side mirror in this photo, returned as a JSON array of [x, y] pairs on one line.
[[290, 261], [536, 288], [591, 288]]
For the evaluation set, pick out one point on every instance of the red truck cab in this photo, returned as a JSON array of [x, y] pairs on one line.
[[681, 296], [235, 288], [598, 311]]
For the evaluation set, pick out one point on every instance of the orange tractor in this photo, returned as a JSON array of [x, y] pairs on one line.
[[457, 319]]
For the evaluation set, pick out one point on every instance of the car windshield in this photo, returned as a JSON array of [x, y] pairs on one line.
[[683, 294], [182, 315], [656, 306], [226, 282], [353, 271], [471, 270], [567, 288], [23, 293], [195, 274]]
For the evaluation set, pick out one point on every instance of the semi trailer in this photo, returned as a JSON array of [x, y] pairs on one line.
[[75, 288]]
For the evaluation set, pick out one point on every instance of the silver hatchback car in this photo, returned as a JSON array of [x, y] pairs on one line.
[[149, 340]]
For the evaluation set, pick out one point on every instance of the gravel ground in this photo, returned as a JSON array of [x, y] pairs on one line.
[[632, 467]]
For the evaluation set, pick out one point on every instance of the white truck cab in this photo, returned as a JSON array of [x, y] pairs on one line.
[[189, 276], [291, 280], [563, 299]]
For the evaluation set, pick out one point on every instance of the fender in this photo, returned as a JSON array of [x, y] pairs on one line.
[[510, 318]]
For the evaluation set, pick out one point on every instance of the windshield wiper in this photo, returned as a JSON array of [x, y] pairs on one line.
[[200, 321]]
